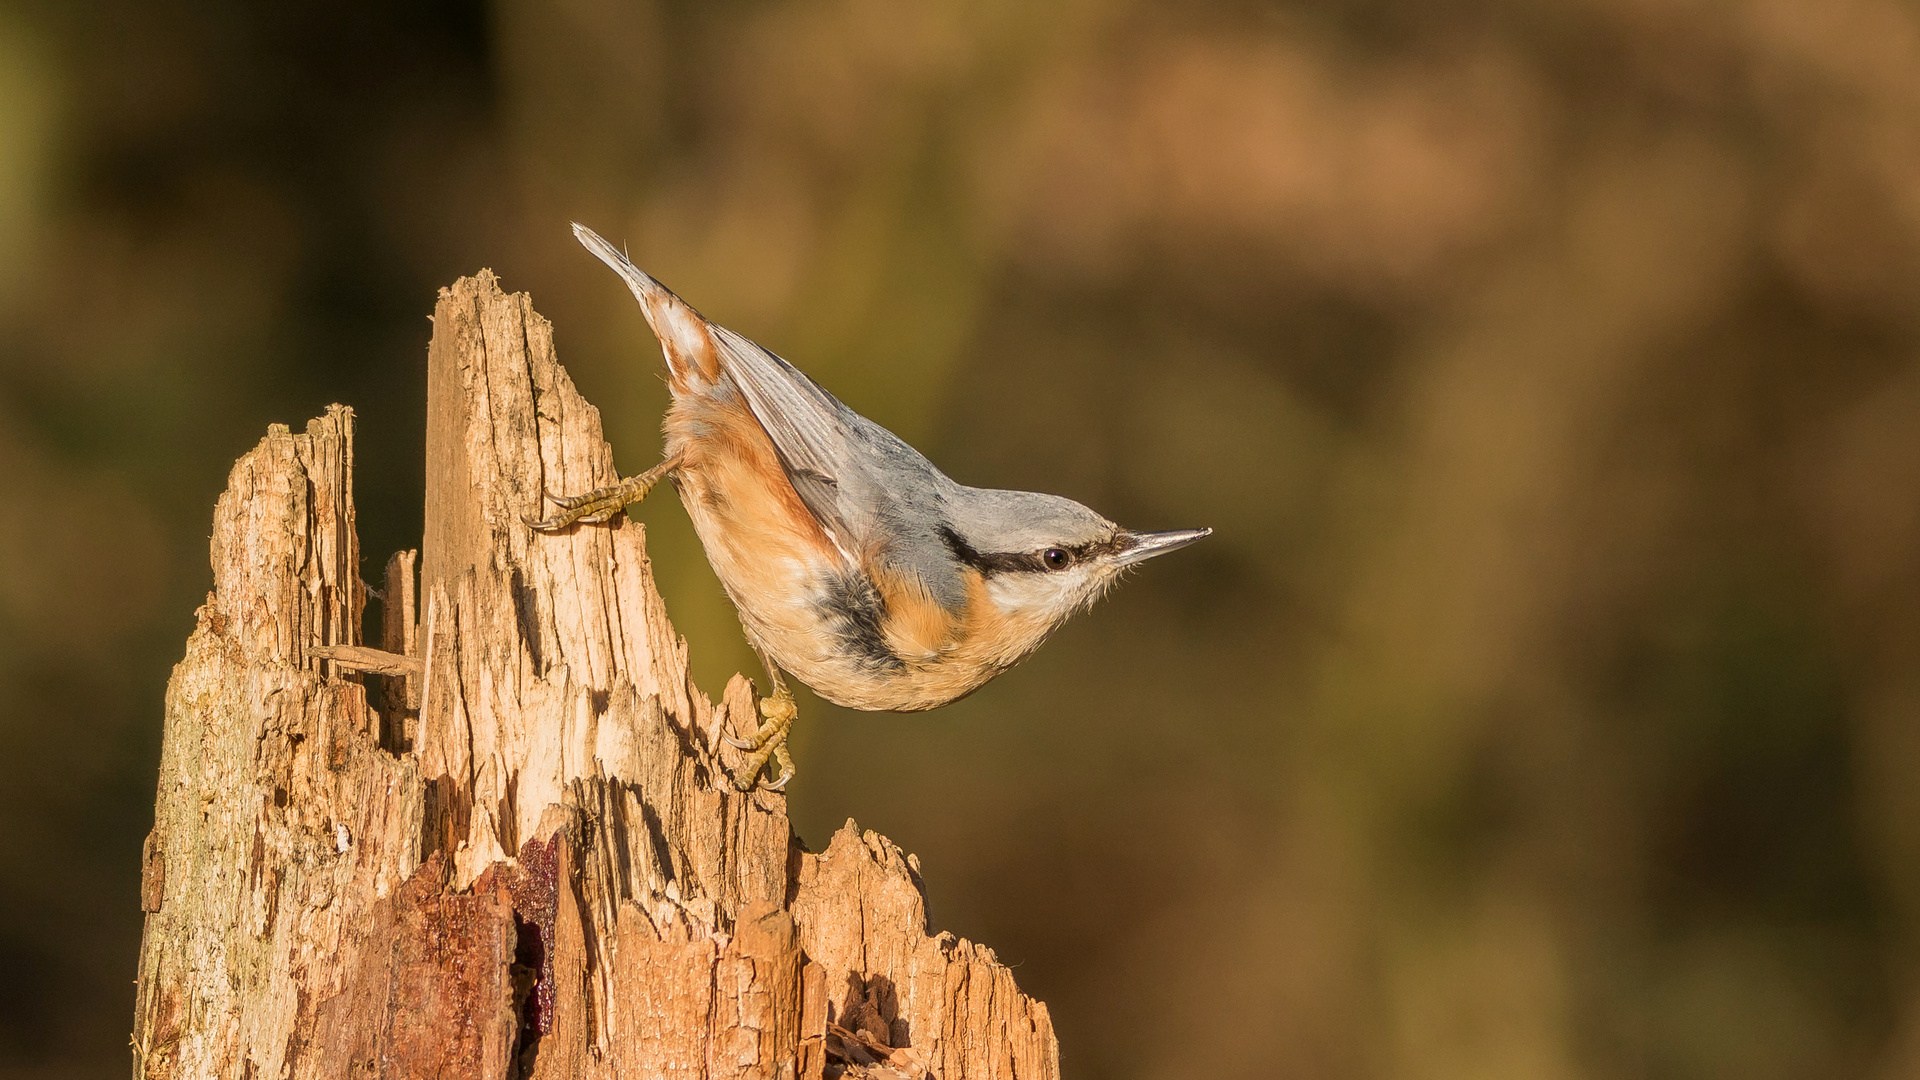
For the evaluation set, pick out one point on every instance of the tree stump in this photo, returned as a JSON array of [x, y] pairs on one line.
[[522, 858]]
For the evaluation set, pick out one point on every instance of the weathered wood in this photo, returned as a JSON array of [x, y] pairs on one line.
[[528, 862], [371, 661]]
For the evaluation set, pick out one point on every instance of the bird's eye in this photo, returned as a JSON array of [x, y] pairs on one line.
[[1056, 558]]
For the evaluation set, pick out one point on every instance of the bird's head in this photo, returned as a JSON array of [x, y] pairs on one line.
[[1040, 558]]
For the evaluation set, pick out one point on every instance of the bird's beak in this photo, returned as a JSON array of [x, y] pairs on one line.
[[1143, 546]]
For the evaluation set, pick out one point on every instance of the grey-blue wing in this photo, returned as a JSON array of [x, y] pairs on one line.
[[820, 441], [874, 494]]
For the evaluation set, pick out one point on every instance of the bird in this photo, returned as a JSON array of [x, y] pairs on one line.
[[855, 564]]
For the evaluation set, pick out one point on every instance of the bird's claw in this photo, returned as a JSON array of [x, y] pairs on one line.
[[598, 506], [758, 764], [785, 760], [768, 743], [592, 508]]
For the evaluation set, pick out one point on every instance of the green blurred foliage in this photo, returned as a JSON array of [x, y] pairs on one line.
[[1546, 704]]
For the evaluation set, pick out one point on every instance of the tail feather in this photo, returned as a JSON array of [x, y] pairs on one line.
[[693, 362]]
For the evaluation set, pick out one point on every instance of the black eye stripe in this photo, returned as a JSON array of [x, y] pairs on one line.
[[990, 563]]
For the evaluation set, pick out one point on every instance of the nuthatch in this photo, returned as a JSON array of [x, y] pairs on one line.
[[855, 564]]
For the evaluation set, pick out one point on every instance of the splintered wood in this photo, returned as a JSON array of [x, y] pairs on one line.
[[523, 857]]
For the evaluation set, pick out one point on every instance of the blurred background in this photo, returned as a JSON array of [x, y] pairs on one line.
[[1547, 702]]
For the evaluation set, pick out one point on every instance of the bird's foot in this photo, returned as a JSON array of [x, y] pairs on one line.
[[770, 742], [600, 505]]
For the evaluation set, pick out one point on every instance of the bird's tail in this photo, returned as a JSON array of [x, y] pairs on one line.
[[693, 361]]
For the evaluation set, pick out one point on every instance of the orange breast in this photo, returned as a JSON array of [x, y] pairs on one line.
[[763, 543]]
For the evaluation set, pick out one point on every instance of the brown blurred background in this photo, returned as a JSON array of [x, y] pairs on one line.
[[1547, 703]]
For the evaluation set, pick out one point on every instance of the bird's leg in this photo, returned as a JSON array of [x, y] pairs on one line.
[[771, 740], [595, 507]]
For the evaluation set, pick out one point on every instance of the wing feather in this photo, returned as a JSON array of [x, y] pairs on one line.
[[811, 430]]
